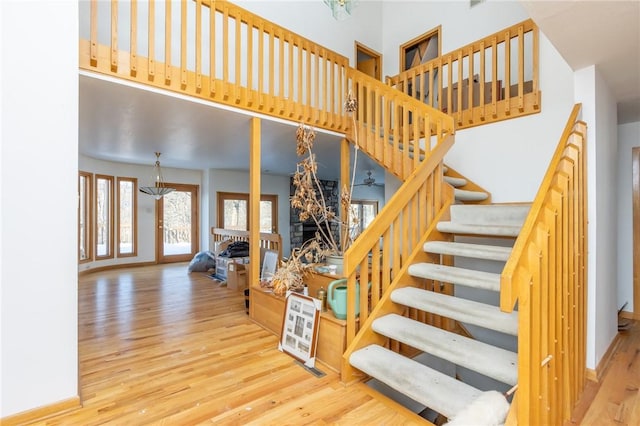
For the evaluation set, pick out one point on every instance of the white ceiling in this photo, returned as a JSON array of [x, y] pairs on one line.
[[128, 123], [604, 33]]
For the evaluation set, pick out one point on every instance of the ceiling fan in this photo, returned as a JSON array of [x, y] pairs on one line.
[[369, 181]]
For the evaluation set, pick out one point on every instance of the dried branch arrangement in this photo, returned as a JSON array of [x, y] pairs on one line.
[[308, 195]]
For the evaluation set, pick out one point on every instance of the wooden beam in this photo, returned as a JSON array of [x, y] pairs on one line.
[[254, 199]]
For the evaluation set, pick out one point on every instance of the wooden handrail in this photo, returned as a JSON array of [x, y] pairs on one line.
[[395, 130], [489, 97], [509, 290], [384, 248], [547, 276], [382, 254]]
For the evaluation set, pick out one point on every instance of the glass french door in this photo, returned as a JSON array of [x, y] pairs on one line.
[[177, 224]]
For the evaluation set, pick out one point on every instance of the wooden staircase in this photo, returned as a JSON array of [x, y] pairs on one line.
[[545, 275], [438, 391]]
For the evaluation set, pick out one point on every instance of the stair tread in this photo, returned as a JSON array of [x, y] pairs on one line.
[[466, 195], [423, 384], [476, 251], [456, 275], [463, 310], [490, 214], [455, 181], [475, 355], [493, 230]]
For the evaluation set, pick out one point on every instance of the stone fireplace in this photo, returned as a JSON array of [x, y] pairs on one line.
[[301, 232]]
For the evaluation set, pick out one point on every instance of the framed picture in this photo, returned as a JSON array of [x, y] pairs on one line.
[[300, 327]]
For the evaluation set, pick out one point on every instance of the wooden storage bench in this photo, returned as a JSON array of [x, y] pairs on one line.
[[267, 310]]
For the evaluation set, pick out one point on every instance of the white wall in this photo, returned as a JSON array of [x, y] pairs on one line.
[[599, 111], [628, 137], [146, 220], [238, 181], [312, 19], [461, 24], [476, 149], [38, 181]]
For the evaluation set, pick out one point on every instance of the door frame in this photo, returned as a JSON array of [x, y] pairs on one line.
[[635, 173], [195, 225], [361, 49]]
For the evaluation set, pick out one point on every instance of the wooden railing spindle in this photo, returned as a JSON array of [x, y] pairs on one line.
[[198, 45], [93, 33], [507, 73], [183, 43], [237, 48], [151, 40], [114, 35], [212, 51], [133, 54]]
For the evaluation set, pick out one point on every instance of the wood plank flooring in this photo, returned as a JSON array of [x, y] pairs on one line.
[[160, 346], [616, 399]]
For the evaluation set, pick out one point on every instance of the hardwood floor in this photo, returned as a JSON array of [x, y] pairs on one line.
[[163, 347], [616, 399], [160, 346]]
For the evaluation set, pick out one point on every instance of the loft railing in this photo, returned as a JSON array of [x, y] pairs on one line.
[[546, 276], [502, 69], [217, 51]]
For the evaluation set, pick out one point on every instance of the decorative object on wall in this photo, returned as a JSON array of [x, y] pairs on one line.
[[159, 189], [341, 9]]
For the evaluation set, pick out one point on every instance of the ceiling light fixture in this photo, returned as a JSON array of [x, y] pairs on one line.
[[159, 189], [341, 9]]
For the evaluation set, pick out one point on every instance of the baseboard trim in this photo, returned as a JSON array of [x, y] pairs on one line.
[[117, 266], [596, 375], [40, 413], [630, 315]]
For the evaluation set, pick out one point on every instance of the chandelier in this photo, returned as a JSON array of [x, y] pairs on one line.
[[340, 9], [159, 189]]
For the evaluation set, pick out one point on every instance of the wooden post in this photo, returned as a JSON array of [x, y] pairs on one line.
[[254, 204]]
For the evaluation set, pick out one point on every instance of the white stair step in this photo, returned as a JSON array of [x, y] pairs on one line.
[[475, 355], [466, 311], [455, 275], [487, 230], [425, 385], [490, 214], [476, 251], [455, 181], [465, 195]]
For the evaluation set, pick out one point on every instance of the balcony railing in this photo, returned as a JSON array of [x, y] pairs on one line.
[[494, 78]]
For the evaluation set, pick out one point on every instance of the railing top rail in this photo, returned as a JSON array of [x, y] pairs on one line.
[[403, 97], [499, 36], [356, 252], [520, 244]]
